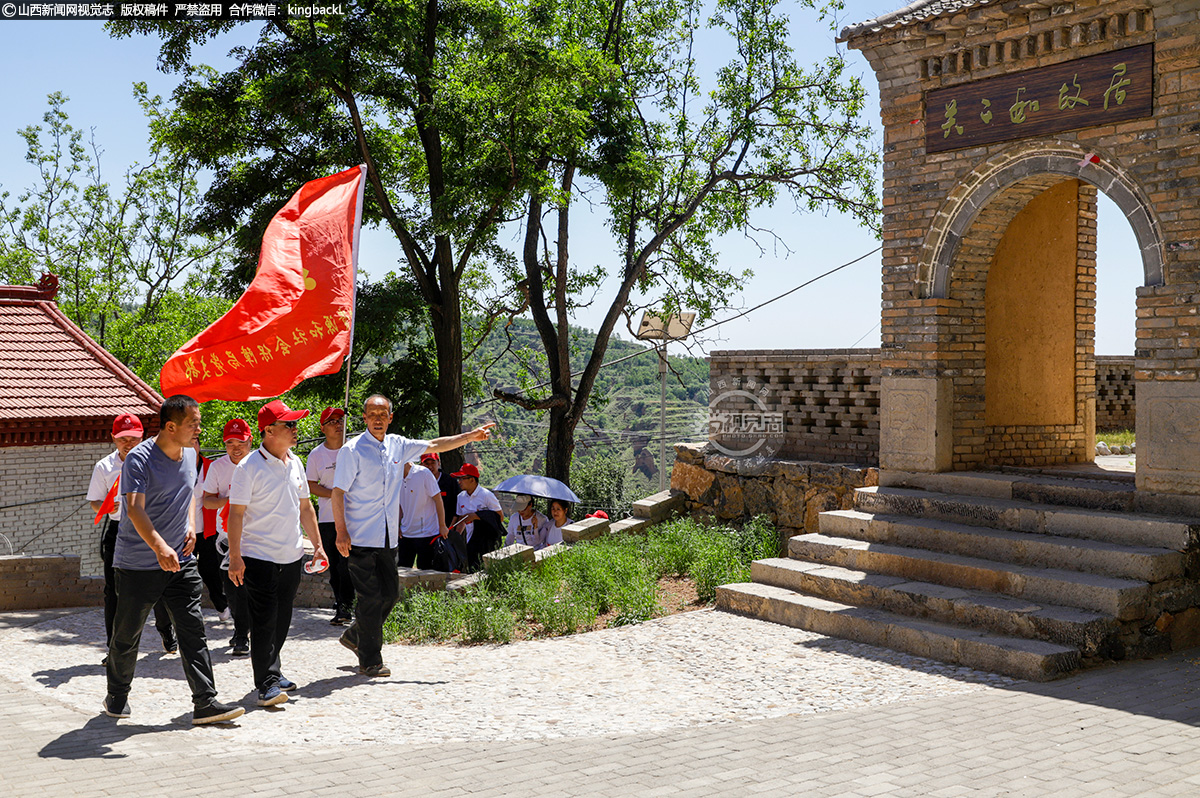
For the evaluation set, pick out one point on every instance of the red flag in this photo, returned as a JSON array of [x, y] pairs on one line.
[[294, 321], [110, 501]]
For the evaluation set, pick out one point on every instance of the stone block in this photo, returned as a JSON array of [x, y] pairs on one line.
[[916, 424], [553, 550], [1185, 629], [693, 480], [759, 498], [660, 506], [690, 453], [413, 578], [1168, 417], [729, 502], [509, 558], [789, 502], [585, 529], [630, 526]]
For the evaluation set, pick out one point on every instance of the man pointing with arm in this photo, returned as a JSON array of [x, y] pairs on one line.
[[366, 514]]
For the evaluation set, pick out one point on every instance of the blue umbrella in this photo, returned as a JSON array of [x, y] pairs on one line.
[[539, 486]]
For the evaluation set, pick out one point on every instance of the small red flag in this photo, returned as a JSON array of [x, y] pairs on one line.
[[294, 320], [110, 501]]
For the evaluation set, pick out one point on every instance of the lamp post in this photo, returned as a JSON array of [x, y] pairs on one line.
[[671, 327]]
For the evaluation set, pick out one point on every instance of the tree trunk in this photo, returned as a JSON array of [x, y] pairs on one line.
[[447, 337], [560, 444]]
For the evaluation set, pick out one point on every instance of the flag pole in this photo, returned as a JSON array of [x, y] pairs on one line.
[[362, 185]]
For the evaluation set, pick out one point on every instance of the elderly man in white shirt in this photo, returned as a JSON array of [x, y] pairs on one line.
[[366, 514], [268, 504]]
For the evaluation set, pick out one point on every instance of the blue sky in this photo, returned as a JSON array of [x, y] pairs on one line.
[[96, 72]]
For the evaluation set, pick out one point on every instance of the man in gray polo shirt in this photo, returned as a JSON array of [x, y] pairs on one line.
[[153, 560], [268, 503]]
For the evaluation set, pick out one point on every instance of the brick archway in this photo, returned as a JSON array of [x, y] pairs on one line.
[[1035, 165]]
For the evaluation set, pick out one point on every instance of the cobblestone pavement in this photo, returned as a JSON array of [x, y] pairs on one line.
[[703, 703]]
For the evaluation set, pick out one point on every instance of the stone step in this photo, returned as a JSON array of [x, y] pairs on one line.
[[1128, 529], [1123, 598], [1115, 494], [1026, 548], [1036, 660], [1094, 634]]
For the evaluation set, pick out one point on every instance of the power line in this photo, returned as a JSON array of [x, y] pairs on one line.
[[713, 326]]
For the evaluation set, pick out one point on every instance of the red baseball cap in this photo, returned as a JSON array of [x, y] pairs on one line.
[[468, 470], [127, 425], [431, 456], [598, 514], [236, 429], [331, 413], [277, 411]]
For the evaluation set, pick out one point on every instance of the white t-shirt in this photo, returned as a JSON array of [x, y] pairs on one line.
[[481, 499], [271, 491], [322, 464], [104, 474], [536, 532], [218, 480], [418, 513]]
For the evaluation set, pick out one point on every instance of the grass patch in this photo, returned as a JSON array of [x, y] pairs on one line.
[[1121, 437], [610, 581]]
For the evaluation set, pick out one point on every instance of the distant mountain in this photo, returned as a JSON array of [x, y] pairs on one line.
[[617, 443]]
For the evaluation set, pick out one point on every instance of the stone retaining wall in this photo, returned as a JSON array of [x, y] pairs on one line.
[[35, 582], [829, 398], [790, 493]]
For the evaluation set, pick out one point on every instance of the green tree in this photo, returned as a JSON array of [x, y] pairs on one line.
[[442, 101], [132, 272], [678, 166]]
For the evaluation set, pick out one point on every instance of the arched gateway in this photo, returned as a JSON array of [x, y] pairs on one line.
[[1002, 122]]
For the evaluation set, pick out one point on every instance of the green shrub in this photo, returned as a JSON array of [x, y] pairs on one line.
[[485, 617]]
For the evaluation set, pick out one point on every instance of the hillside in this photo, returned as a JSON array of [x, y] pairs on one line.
[[617, 444]]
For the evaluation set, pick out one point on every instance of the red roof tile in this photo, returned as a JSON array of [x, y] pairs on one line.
[[51, 369]]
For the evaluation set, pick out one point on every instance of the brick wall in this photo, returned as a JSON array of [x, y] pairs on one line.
[[44, 506], [1114, 393], [830, 400], [829, 397], [44, 581]]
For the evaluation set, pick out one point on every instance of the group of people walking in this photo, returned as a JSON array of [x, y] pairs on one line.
[[157, 498]]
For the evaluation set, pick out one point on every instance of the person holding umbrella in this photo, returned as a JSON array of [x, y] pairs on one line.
[[528, 526]]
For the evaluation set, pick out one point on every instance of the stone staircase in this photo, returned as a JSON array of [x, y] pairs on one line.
[[1030, 576]]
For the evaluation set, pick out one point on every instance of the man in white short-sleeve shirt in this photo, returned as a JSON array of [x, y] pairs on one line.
[[473, 499], [422, 516], [366, 514], [268, 504], [239, 442], [320, 470]]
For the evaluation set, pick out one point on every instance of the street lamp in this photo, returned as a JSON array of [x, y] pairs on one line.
[[672, 327]]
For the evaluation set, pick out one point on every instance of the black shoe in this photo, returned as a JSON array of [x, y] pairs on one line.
[[376, 670], [271, 696], [241, 648], [287, 685], [345, 641], [114, 708], [104, 661], [170, 644], [216, 712]]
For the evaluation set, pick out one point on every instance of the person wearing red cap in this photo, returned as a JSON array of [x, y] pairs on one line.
[[322, 463], [239, 441], [127, 433], [473, 500], [366, 514], [268, 505]]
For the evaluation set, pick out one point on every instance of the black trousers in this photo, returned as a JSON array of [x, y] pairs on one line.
[[137, 592], [377, 583], [108, 546], [239, 607], [210, 570], [271, 591], [416, 549], [339, 568]]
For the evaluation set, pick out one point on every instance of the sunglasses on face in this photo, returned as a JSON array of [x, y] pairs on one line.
[[288, 424]]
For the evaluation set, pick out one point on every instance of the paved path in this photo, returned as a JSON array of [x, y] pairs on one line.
[[698, 704]]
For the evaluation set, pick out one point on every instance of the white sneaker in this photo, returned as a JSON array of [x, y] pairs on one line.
[[226, 615]]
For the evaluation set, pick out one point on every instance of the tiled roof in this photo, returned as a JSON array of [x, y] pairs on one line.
[[913, 12], [51, 369]]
